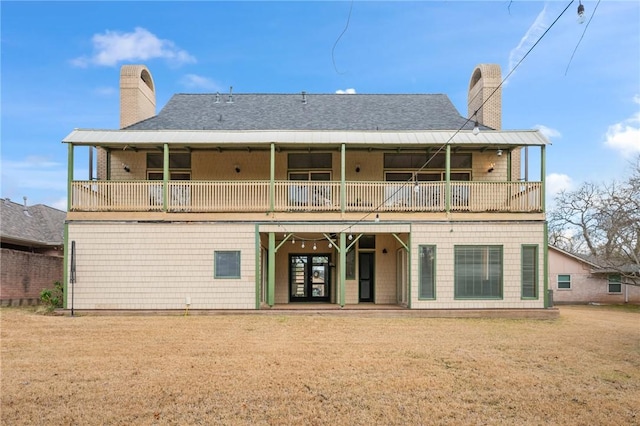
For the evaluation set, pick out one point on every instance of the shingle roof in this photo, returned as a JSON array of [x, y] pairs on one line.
[[315, 112], [34, 225]]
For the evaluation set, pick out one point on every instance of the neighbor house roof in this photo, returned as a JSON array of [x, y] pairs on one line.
[[36, 225], [306, 112]]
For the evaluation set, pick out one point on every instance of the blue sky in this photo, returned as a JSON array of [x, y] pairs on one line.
[[61, 61]]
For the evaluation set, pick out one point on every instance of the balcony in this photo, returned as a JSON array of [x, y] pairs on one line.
[[303, 196]]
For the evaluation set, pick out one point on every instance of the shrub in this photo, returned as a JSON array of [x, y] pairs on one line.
[[52, 299]]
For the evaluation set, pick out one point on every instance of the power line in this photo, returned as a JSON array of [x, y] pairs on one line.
[[581, 37], [439, 150]]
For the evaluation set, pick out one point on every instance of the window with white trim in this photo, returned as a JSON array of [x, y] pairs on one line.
[[615, 284], [564, 282]]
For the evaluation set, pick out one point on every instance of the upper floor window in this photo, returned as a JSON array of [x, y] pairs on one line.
[[309, 161], [425, 161], [179, 166]]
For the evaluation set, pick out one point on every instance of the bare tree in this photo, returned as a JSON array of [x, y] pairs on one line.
[[602, 221]]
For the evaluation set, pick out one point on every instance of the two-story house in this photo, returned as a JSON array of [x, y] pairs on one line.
[[246, 201]]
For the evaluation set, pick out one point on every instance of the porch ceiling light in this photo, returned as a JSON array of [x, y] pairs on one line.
[[499, 153]]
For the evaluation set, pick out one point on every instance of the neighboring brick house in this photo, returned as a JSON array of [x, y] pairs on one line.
[[246, 201], [576, 279], [32, 251]]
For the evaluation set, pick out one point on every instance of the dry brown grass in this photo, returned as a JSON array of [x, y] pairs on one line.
[[582, 368]]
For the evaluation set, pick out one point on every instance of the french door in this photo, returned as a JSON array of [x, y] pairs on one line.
[[309, 278]]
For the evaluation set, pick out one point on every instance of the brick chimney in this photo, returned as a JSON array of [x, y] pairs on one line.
[[137, 103], [485, 80], [485, 101]]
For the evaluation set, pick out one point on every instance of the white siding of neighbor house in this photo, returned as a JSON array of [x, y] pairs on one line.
[[132, 265], [445, 236]]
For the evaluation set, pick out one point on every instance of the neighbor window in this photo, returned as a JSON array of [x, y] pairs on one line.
[[478, 272], [615, 284], [226, 264], [427, 259], [529, 271], [564, 282]]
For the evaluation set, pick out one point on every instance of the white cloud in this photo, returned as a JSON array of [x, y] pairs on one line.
[[193, 81], [35, 173], [625, 136], [557, 182], [346, 92], [113, 47], [60, 204], [534, 32], [548, 131], [105, 91]]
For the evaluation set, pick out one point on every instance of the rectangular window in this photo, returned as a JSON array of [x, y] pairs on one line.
[[179, 166], [529, 272], [425, 161], [478, 272], [615, 284], [155, 160], [226, 264], [427, 259], [310, 161], [564, 282]]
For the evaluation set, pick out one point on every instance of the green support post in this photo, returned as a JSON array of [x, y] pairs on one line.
[[69, 176], [257, 262], [343, 185], [272, 178], [65, 272], [165, 178], [543, 171], [546, 265], [343, 268], [271, 283], [447, 178]]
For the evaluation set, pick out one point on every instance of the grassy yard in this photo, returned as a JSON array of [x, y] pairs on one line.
[[582, 368]]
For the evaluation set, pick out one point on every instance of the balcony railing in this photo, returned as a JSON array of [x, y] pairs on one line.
[[302, 196]]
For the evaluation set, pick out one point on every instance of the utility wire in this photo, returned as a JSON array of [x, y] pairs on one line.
[[333, 59], [443, 146], [581, 37]]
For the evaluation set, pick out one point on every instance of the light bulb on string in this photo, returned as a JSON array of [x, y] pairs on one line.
[[350, 237], [314, 246], [476, 128], [580, 13], [293, 240], [416, 187], [302, 244], [377, 218]]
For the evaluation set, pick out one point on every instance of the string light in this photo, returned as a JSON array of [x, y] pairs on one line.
[[580, 13], [377, 218], [314, 246]]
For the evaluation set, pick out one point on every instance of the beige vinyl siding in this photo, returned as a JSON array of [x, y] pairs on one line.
[[159, 265], [446, 236]]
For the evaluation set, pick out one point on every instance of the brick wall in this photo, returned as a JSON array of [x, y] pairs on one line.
[[24, 275]]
